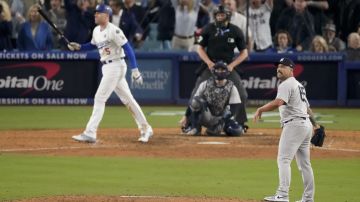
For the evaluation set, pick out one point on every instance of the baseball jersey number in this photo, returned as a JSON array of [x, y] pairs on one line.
[[107, 51], [302, 93]]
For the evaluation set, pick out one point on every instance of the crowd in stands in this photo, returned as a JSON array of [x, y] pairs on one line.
[[273, 26]]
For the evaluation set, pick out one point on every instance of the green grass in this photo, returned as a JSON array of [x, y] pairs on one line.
[[24, 176], [57, 117]]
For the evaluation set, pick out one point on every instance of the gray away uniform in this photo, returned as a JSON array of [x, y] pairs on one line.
[[217, 100], [295, 138]]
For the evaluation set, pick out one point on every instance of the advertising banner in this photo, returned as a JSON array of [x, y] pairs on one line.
[[319, 79], [27, 79]]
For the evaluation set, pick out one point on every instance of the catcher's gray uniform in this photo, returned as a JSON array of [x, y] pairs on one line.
[[295, 137], [216, 100]]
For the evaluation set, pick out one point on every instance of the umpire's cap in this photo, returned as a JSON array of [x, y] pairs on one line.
[[102, 8], [285, 61]]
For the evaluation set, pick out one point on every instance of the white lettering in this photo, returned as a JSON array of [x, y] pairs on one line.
[[40, 83]]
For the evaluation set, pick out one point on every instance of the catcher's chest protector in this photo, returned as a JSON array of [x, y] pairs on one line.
[[217, 98]]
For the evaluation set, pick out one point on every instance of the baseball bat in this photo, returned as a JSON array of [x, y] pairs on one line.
[[41, 12]]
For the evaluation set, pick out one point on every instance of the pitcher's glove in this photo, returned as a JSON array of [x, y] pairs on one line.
[[319, 137]]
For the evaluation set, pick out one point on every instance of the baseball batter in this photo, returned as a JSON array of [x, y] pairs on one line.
[[296, 120], [112, 43]]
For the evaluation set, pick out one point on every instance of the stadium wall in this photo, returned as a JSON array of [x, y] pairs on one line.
[[71, 78]]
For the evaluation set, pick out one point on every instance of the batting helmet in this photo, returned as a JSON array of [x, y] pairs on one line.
[[102, 8], [220, 71], [226, 11]]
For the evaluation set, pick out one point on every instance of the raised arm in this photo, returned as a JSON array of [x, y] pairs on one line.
[[323, 5]]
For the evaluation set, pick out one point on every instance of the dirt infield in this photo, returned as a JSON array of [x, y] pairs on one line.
[[258, 143], [166, 143]]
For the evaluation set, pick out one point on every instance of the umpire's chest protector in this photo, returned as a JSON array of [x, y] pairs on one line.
[[216, 97], [222, 42]]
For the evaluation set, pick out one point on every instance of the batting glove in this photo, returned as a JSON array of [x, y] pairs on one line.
[[136, 76], [73, 46]]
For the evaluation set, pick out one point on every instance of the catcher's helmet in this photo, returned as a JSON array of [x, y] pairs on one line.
[[220, 71], [226, 11], [102, 8], [233, 128]]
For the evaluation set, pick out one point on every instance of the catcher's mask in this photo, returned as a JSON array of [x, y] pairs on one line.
[[220, 71], [224, 10]]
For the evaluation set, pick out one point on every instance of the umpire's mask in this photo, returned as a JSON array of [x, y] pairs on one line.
[[221, 23], [220, 71]]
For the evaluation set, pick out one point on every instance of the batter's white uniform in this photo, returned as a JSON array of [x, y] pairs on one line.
[[109, 43], [295, 137]]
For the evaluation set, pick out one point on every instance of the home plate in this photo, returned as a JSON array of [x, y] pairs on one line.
[[212, 143]]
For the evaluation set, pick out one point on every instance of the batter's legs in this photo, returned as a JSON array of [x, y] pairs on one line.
[[123, 91], [107, 85]]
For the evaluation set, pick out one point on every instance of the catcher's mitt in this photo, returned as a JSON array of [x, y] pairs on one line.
[[319, 137]]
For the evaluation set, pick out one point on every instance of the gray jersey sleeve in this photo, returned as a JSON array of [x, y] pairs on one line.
[[284, 92], [234, 96]]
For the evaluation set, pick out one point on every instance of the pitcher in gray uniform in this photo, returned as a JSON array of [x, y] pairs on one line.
[[297, 124]]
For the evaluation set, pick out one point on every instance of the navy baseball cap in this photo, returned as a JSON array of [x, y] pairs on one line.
[[102, 8], [286, 62]]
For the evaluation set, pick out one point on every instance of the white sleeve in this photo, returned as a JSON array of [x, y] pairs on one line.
[[119, 37], [284, 92], [201, 89], [234, 96], [93, 39], [267, 7]]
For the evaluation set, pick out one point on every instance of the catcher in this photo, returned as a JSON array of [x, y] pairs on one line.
[[214, 106]]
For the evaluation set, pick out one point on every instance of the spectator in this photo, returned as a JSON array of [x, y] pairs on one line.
[[319, 45], [299, 23], [279, 5], [259, 21], [34, 33], [5, 26], [166, 24], [186, 13], [152, 10], [345, 15], [317, 8], [239, 20], [17, 12], [204, 15], [241, 6], [353, 50], [140, 16], [126, 21], [58, 16], [283, 43], [80, 21], [329, 34]]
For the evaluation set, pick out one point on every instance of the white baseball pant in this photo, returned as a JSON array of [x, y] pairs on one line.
[[114, 80]]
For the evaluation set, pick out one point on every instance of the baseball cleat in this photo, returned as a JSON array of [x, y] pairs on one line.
[[277, 198], [145, 136], [84, 138], [193, 131]]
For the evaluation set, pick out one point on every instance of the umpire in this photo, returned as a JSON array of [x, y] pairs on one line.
[[217, 43]]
